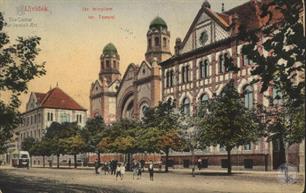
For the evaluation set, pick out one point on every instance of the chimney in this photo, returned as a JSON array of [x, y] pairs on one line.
[[177, 46]]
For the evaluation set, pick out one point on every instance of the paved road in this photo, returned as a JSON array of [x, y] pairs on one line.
[[45, 180]]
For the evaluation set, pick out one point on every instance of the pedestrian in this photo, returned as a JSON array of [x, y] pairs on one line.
[[151, 170], [118, 171], [69, 162], [199, 163], [135, 169], [139, 171], [122, 171], [97, 165]]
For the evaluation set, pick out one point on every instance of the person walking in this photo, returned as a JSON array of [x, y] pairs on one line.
[[122, 171], [151, 170], [118, 171], [135, 169], [97, 165], [69, 162]]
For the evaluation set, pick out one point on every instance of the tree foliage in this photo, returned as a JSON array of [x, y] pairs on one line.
[[18, 67], [283, 41], [227, 122]]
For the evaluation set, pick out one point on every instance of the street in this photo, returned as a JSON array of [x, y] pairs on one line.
[[45, 180]]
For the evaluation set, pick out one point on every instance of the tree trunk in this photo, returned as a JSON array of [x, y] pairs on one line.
[[99, 159], [75, 161], [192, 162], [44, 161], [57, 157], [167, 156], [229, 163]]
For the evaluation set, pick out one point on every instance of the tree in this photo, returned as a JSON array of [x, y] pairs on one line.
[[283, 66], [161, 127], [42, 148], [18, 67], [92, 134], [28, 143], [73, 145], [56, 135], [228, 123]]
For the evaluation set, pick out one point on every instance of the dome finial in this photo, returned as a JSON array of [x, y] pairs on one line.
[[206, 4], [110, 49], [158, 22]]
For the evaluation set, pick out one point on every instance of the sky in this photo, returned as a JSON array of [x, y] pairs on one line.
[[74, 32]]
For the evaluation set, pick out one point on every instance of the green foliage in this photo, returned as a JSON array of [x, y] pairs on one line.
[[227, 122], [161, 129], [121, 137], [283, 68], [92, 133], [18, 67], [286, 123], [28, 144]]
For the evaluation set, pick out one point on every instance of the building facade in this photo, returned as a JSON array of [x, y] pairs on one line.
[[44, 108], [115, 97], [197, 72]]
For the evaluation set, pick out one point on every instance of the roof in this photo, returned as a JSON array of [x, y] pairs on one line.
[[58, 99], [110, 49], [158, 22], [39, 96]]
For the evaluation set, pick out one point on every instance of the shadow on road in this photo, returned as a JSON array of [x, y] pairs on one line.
[[17, 184]]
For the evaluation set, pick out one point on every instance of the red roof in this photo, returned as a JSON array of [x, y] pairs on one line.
[[58, 99], [39, 96]]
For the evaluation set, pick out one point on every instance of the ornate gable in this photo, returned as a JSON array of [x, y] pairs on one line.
[[207, 28], [144, 70], [96, 88]]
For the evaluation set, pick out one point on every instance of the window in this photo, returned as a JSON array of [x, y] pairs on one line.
[[247, 146], [222, 60], [35, 118], [107, 64], [31, 120], [277, 97], [79, 118], [164, 42], [50, 116], [222, 148], [38, 117], [114, 64], [156, 40], [167, 79], [246, 60], [186, 106], [204, 69], [65, 117], [248, 97], [204, 98], [185, 74], [171, 77], [150, 42]]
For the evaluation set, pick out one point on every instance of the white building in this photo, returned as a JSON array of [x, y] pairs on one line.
[[44, 108]]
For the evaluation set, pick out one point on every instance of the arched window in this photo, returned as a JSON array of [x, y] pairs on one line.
[[167, 79], [171, 77], [185, 74], [248, 97], [204, 98], [186, 106], [156, 40], [221, 63], [149, 42], [164, 42], [276, 96]]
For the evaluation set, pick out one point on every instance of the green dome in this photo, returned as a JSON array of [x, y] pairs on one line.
[[158, 22], [109, 49]]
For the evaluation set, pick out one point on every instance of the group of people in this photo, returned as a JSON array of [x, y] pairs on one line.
[[116, 168]]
